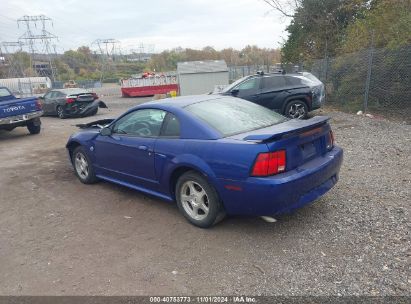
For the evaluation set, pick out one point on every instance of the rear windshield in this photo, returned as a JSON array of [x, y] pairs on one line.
[[232, 116], [4, 92]]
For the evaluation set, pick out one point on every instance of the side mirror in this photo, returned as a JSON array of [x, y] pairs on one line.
[[234, 92], [41, 97], [105, 132]]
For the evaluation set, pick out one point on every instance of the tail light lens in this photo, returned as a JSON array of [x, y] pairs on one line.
[[95, 96], [70, 100], [330, 140], [270, 163]]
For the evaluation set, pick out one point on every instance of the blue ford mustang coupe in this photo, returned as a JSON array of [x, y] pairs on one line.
[[213, 155]]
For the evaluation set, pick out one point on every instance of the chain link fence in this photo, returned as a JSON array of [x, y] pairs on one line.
[[372, 80]]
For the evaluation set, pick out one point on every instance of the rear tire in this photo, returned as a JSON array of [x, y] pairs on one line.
[[83, 166], [60, 112], [198, 201], [33, 129], [296, 109]]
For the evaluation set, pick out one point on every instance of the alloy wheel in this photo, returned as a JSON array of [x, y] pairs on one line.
[[194, 200], [297, 110], [81, 165]]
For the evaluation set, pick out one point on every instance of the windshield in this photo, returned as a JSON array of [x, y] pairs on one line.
[[231, 116], [234, 84]]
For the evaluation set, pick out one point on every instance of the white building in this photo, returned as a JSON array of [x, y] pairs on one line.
[[201, 77]]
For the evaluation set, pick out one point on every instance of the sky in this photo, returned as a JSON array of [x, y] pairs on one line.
[[161, 23]]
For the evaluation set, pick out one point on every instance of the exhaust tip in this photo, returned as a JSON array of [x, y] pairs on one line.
[[268, 219]]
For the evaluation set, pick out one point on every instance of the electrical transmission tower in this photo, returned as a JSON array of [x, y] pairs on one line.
[[37, 35], [107, 51], [15, 68], [143, 50]]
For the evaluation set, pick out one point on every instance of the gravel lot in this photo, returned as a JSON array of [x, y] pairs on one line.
[[60, 237]]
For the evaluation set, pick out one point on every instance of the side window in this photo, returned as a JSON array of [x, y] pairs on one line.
[[171, 126], [274, 82], [143, 123], [251, 84], [297, 81], [48, 95]]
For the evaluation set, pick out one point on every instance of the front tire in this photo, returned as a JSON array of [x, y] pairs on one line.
[[198, 201], [83, 166], [33, 128], [60, 112], [296, 109]]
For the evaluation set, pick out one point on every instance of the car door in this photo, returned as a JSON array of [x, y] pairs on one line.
[[47, 103], [249, 90], [127, 155], [273, 92]]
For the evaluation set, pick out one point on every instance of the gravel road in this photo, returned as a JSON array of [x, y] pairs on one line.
[[60, 237]]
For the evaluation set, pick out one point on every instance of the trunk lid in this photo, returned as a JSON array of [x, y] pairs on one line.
[[303, 140]]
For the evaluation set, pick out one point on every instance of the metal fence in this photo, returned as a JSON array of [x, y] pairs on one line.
[[85, 84], [374, 80], [236, 72]]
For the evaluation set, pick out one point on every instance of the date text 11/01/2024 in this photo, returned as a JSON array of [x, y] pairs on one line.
[[203, 299]]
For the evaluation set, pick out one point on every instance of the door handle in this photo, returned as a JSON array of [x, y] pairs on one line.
[[143, 148]]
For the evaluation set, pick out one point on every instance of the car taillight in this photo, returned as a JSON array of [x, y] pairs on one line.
[[268, 164], [70, 100], [330, 140], [95, 96], [39, 106]]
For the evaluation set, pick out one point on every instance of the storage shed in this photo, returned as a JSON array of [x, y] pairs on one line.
[[201, 77]]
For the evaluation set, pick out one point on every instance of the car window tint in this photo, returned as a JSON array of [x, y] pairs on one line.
[[251, 84], [171, 126], [53, 95], [232, 116], [4, 92], [295, 81], [273, 82], [144, 123]]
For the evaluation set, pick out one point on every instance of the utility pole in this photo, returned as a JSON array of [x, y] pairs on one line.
[[367, 83], [37, 33]]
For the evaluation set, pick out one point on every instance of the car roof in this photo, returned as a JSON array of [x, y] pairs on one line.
[[183, 101], [72, 91]]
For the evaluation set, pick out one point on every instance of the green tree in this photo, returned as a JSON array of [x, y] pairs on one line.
[[388, 21], [317, 26]]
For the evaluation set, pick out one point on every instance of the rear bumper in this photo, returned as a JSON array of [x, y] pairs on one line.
[[285, 192], [20, 119], [81, 111]]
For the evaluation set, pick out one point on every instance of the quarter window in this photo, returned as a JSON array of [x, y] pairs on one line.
[[171, 126]]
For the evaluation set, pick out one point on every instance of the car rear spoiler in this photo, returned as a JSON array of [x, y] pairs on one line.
[[288, 128], [96, 124]]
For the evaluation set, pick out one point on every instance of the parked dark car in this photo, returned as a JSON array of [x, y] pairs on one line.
[[19, 112], [293, 95], [214, 155], [71, 103]]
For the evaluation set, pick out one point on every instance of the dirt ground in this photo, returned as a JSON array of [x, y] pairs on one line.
[[60, 237]]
